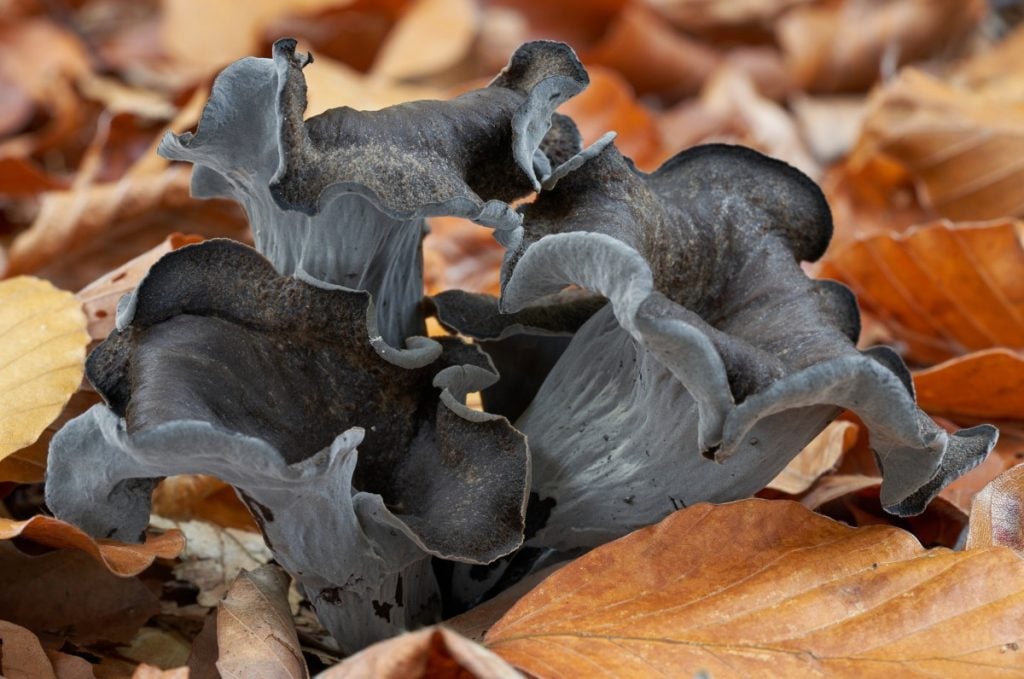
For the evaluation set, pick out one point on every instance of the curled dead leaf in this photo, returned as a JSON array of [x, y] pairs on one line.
[[255, 632], [997, 515], [406, 55], [99, 298], [42, 358], [767, 588], [432, 653], [848, 45], [942, 289], [23, 656], [963, 147], [119, 558], [818, 457], [984, 385]]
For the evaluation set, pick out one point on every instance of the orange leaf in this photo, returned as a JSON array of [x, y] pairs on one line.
[[435, 653], [942, 289], [120, 558], [767, 588], [405, 53], [963, 147], [981, 386], [188, 497], [99, 298], [997, 515]]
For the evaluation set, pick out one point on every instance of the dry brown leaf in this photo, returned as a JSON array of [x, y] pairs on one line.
[[23, 656], [145, 671], [653, 57], [942, 289], [37, 79], [214, 556], [159, 647], [986, 385], [997, 515], [849, 44], [69, 595], [255, 632], [22, 177], [71, 219], [608, 104], [331, 84], [829, 124], [196, 497], [119, 558], [963, 147], [704, 16], [28, 465], [996, 69], [474, 623], [42, 358], [767, 588], [432, 653], [818, 457], [99, 298], [1009, 451], [431, 37], [204, 36]]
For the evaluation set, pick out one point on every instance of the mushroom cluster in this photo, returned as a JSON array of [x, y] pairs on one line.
[[657, 343]]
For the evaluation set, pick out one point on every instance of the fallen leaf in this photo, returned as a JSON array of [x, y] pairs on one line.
[[962, 147], [432, 653], [942, 289], [214, 557], [119, 558], [767, 588], [67, 594], [848, 45], [985, 385], [159, 648], [255, 632], [405, 53], [996, 515], [818, 457], [202, 660], [22, 177], [99, 298], [651, 55], [203, 36], [23, 656], [42, 358], [145, 671], [28, 465], [712, 16], [331, 84], [1009, 451], [474, 623], [190, 497], [829, 124]]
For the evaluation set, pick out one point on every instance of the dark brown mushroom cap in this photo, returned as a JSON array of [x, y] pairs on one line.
[[341, 197], [715, 344], [221, 366]]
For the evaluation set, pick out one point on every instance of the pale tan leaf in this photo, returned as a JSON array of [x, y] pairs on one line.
[[963, 147], [145, 671], [23, 656], [119, 558], [997, 515], [99, 298], [409, 53], [42, 357], [767, 588], [432, 653], [190, 497], [818, 457], [28, 465], [255, 632]]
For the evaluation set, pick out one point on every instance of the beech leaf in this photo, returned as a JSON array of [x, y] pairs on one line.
[[255, 632], [432, 653], [42, 358], [942, 289], [982, 385], [767, 588], [119, 558], [997, 514], [818, 457]]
